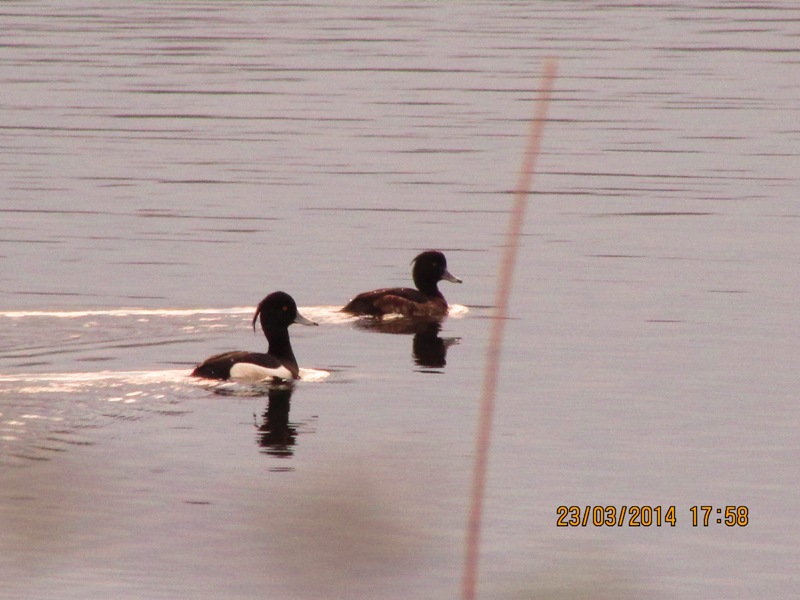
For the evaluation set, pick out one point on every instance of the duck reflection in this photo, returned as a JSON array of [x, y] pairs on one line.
[[276, 435], [428, 348]]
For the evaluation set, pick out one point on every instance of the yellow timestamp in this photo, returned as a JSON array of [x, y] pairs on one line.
[[615, 516], [649, 516], [732, 516]]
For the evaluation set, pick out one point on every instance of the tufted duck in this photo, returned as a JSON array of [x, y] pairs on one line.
[[277, 312], [430, 268]]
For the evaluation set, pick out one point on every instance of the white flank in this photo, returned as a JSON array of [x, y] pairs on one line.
[[248, 372]]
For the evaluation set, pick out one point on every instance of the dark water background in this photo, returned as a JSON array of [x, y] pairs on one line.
[[165, 165]]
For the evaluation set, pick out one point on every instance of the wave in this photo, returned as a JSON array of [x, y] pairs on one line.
[[38, 382], [35, 383], [126, 312], [321, 314]]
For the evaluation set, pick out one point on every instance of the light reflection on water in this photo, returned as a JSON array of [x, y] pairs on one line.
[[177, 155], [124, 312], [43, 414]]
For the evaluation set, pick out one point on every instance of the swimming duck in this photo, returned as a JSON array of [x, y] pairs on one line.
[[277, 312], [430, 267]]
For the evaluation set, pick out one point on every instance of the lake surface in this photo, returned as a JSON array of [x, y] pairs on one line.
[[164, 166]]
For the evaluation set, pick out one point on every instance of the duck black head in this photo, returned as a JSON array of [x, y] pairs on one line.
[[277, 311], [430, 267]]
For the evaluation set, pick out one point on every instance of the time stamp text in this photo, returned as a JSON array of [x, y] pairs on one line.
[[651, 516]]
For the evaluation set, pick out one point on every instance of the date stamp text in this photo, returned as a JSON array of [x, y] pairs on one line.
[[650, 516]]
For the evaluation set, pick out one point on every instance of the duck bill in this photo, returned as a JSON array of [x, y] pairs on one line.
[[448, 276], [301, 320]]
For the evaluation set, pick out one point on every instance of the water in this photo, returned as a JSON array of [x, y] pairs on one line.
[[164, 166]]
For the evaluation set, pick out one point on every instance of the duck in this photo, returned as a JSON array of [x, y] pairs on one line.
[[430, 267], [277, 312]]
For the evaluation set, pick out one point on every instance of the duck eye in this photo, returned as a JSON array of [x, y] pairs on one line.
[[285, 308]]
